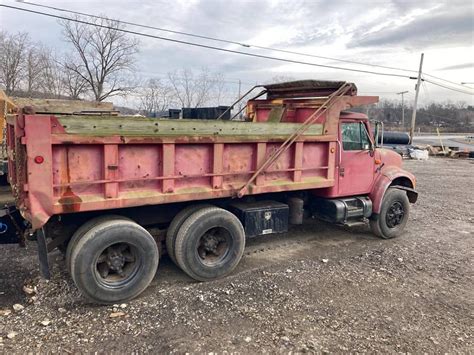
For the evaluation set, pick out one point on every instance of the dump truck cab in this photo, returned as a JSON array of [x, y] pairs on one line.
[[361, 161], [364, 173], [362, 169]]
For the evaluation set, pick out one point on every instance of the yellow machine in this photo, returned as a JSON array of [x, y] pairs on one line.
[[6, 106]]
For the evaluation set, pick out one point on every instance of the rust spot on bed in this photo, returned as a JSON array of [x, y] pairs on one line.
[[70, 202]]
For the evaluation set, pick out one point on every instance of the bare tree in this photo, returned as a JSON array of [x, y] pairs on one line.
[[74, 85], [192, 90], [220, 88], [52, 75], [105, 55], [34, 66], [13, 48], [155, 96]]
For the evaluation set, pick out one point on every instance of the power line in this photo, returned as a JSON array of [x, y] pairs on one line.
[[226, 41], [166, 76], [135, 24], [448, 81], [448, 87], [203, 45], [215, 39], [230, 41]]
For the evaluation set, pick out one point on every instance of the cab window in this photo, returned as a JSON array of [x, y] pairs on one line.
[[354, 136]]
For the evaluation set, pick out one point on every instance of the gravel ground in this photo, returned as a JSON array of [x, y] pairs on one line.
[[318, 288]]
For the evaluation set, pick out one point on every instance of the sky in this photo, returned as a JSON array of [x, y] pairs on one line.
[[384, 32]]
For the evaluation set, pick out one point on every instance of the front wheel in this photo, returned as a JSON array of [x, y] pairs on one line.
[[393, 215]]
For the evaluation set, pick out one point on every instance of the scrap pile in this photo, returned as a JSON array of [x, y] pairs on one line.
[[451, 152]]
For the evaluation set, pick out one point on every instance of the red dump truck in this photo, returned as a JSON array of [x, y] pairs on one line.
[[110, 191]]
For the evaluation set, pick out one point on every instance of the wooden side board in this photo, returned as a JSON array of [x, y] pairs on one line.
[[152, 127], [63, 106]]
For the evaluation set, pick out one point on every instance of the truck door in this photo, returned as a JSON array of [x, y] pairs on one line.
[[356, 160]]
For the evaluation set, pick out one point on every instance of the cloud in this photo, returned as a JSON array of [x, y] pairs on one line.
[[469, 65], [442, 29], [388, 32]]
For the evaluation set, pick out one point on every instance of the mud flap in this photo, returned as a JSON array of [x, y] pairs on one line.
[[411, 193], [43, 254]]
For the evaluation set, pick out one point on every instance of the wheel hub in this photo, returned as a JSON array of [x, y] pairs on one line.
[[213, 246], [115, 260], [117, 263], [395, 214], [210, 243]]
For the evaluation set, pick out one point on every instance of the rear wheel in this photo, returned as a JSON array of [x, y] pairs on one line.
[[174, 226], [210, 244], [84, 229], [393, 215], [114, 261]]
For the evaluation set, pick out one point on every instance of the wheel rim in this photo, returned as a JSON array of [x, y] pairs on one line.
[[117, 265], [214, 246], [395, 214]]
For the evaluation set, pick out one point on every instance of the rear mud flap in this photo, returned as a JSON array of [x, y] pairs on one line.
[[43, 254]]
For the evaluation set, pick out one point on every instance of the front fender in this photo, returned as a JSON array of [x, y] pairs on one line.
[[392, 175]]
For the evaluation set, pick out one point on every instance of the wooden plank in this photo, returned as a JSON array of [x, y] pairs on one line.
[[152, 127], [62, 106]]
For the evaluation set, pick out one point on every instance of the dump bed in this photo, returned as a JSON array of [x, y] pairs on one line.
[[72, 163]]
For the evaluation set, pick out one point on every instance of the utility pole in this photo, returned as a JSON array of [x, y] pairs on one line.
[[418, 84], [403, 108]]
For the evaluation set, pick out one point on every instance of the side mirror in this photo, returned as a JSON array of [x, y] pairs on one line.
[[378, 134], [367, 146]]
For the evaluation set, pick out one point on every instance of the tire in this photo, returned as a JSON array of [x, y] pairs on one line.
[[174, 226], [85, 228], [114, 261], [209, 244], [393, 215]]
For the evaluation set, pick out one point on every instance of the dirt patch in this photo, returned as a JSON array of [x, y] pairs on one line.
[[317, 288]]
